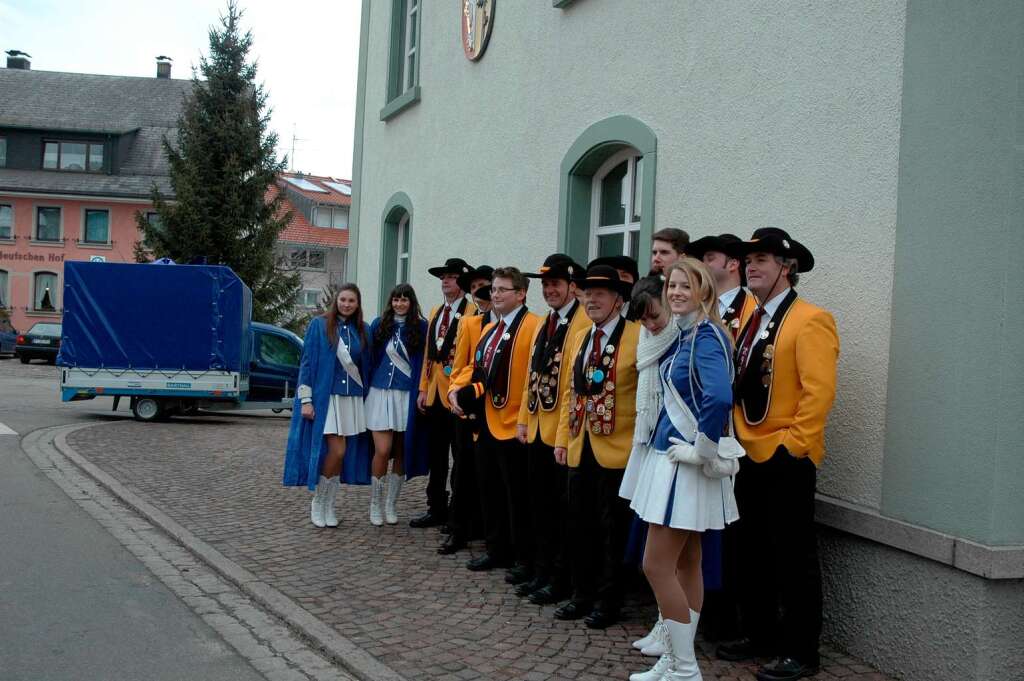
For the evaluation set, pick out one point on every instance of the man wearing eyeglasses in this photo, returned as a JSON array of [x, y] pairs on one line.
[[498, 374]]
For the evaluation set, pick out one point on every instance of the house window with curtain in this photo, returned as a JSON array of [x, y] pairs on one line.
[[96, 227], [44, 292], [331, 216], [6, 221], [73, 156], [48, 224], [616, 213], [5, 301]]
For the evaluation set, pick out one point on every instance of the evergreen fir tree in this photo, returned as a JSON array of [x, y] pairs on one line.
[[221, 166]]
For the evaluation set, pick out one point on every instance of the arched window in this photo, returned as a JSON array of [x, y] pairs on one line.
[[606, 193], [617, 205], [396, 240], [44, 292]]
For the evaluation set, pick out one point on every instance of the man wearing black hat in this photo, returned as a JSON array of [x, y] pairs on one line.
[[785, 384], [723, 254], [629, 273], [595, 436], [465, 515], [434, 379], [538, 426]]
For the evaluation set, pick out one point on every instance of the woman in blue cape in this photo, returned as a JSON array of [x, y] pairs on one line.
[[397, 338], [328, 440]]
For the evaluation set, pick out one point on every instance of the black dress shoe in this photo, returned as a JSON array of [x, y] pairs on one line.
[[549, 594], [743, 649], [451, 545], [785, 669], [518, 574], [445, 528], [601, 618], [486, 562], [573, 610], [526, 588], [428, 519]]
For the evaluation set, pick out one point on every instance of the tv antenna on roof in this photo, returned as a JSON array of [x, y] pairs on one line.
[[291, 157]]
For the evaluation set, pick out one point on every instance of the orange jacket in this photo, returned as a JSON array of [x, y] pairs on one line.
[[501, 422], [433, 381], [802, 388], [542, 422], [611, 451]]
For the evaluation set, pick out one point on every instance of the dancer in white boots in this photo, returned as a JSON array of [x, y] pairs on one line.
[[656, 338], [329, 414], [398, 337], [684, 486]]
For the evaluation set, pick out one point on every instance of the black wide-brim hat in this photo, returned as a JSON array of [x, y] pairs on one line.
[[730, 244], [481, 272], [619, 262], [450, 266], [606, 276], [558, 266], [482, 293], [778, 242]]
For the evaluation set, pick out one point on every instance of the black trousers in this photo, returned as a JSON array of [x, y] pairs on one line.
[[440, 437], [780, 589], [598, 528], [548, 484], [501, 475], [465, 516]]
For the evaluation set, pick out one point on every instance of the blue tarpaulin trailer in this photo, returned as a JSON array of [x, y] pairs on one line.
[[172, 338]]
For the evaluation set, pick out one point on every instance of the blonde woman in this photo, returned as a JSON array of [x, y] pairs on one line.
[[680, 490]]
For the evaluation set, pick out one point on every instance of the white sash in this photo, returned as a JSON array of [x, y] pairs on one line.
[[678, 412], [345, 357], [400, 362]]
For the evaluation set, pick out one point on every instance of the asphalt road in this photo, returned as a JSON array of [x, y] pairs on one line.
[[74, 604]]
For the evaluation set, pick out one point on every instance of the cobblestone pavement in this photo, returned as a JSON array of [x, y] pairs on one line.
[[269, 646], [384, 589]]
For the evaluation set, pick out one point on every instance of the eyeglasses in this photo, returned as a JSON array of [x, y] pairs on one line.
[[504, 289]]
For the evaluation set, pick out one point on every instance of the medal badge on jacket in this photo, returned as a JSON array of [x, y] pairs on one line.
[[594, 388], [546, 366]]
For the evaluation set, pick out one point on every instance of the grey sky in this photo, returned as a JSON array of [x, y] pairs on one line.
[[308, 55]]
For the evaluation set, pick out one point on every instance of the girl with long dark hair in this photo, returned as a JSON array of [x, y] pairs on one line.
[[329, 413], [397, 337]]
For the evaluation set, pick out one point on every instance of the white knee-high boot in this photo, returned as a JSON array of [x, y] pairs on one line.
[[659, 640], [391, 503], [376, 500], [333, 484], [316, 506], [647, 640], [683, 665]]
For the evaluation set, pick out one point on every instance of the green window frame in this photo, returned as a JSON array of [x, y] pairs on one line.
[[396, 242], [584, 159], [403, 84]]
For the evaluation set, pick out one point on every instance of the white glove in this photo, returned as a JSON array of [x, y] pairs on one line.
[[721, 468], [682, 451]]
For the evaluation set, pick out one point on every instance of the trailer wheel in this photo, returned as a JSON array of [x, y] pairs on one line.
[[147, 409], [277, 411]]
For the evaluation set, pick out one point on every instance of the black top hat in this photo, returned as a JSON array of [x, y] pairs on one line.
[[730, 244], [450, 266], [606, 276], [778, 242], [482, 293], [481, 272], [558, 266], [619, 262]]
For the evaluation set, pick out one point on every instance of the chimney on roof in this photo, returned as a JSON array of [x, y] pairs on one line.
[[16, 59], [163, 66]]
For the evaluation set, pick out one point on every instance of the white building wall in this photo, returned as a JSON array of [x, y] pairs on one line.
[[766, 113]]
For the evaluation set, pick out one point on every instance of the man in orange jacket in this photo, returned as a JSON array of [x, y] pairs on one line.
[[497, 376], [785, 384]]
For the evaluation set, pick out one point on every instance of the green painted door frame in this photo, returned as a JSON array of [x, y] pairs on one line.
[[594, 146]]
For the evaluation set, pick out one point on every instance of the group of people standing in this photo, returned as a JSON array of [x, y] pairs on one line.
[[684, 402]]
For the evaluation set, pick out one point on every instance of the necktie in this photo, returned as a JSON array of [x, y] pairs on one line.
[[748, 338], [551, 324], [493, 345], [442, 330], [595, 352]]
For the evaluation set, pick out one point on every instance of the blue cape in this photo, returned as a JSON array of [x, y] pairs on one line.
[[306, 444], [415, 440]]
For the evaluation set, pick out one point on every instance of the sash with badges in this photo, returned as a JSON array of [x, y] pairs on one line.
[[754, 382], [731, 318], [594, 387], [496, 378], [546, 364], [441, 347]]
